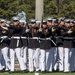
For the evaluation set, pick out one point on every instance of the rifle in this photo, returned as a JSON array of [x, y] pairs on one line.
[[41, 22], [27, 26]]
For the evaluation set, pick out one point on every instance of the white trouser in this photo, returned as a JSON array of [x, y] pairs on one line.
[[36, 58], [3, 62], [0, 59], [5, 56], [30, 54], [25, 55], [72, 57], [43, 59], [20, 59], [39, 61], [47, 58], [54, 62], [61, 58], [66, 59], [50, 60]]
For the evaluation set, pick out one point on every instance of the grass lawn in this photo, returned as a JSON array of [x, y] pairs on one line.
[[6, 73]]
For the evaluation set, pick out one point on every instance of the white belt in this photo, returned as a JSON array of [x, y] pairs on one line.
[[34, 38], [59, 37], [68, 37], [24, 37], [15, 37], [4, 37], [45, 38], [48, 39]]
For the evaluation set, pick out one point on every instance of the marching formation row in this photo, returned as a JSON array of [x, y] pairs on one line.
[[45, 46]]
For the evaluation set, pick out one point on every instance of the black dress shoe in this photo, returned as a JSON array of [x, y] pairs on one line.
[[53, 70], [49, 72], [7, 70], [26, 71], [67, 72], [57, 70], [31, 72], [37, 71], [1, 71], [11, 72], [43, 71], [22, 71], [60, 71], [72, 71]]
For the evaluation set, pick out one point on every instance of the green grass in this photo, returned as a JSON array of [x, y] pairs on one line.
[[6, 73]]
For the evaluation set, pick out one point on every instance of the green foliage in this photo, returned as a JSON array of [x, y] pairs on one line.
[[54, 8], [50, 8], [63, 8], [9, 8], [66, 2], [69, 10]]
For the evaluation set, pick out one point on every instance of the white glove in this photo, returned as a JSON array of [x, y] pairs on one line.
[[40, 29], [4, 28], [7, 25], [53, 29], [69, 32], [27, 30]]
